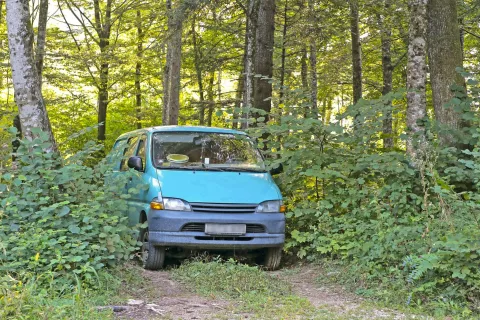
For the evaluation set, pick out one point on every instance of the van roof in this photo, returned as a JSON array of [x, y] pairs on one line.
[[183, 129]]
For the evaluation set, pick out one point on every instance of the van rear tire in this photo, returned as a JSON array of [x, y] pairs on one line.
[[273, 257], [153, 257]]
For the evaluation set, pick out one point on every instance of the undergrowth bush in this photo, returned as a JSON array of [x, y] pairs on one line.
[[33, 300], [388, 216], [60, 217]]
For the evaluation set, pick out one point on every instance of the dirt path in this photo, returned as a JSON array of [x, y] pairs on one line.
[[161, 297], [304, 281], [164, 298]]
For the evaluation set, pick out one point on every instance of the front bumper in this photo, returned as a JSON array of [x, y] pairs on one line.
[[165, 229]]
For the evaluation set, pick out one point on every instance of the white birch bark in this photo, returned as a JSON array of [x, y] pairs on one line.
[[28, 95], [416, 73]]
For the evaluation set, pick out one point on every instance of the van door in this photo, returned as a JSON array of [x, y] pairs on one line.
[[129, 151], [139, 201]]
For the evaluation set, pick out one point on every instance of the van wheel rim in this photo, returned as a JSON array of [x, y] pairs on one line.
[[145, 247]]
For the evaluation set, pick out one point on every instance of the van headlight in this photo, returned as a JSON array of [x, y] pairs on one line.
[[170, 204], [271, 206]]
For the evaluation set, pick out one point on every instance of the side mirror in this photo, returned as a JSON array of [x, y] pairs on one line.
[[135, 163], [277, 170]]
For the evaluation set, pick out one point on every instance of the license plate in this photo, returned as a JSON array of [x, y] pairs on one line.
[[225, 229]]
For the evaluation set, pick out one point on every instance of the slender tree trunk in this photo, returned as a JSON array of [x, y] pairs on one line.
[[356, 51], [198, 69], [210, 98], [249, 45], [103, 29], [173, 65], [444, 55], [28, 95], [416, 74], [313, 58], [304, 74], [102, 101], [1, 44], [238, 98], [138, 70], [328, 113], [387, 70], [304, 68], [41, 38], [284, 52], [263, 59]]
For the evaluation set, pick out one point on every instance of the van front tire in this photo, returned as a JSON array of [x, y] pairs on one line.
[[273, 257], [153, 257]]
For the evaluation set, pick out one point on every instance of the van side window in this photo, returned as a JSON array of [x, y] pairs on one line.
[[141, 149], [128, 152]]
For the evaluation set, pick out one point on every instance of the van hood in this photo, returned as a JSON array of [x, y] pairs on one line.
[[218, 186]]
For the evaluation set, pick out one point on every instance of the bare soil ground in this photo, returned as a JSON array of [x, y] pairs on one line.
[[161, 297], [164, 298]]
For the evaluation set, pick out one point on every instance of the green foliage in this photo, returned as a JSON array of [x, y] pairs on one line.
[[377, 209], [60, 217], [29, 300]]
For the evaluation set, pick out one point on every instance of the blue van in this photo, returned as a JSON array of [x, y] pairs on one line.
[[208, 188]]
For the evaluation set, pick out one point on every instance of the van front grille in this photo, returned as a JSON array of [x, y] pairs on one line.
[[200, 227], [223, 207], [224, 238], [194, 227]]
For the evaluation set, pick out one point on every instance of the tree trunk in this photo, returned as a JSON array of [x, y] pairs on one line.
[[416, 73], [138, 70], [238, 98], [173, 66], [263, 59], [102, 101], [249, 44], [41, 36], [387, 71], [304, 68], [28, 95], [103, 29], [356, 51], [1, 44], [313, 59], [444, 55], [198, 69], [211, 98], [284, 52]]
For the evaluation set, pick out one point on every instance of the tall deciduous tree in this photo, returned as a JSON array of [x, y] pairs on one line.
[[313, 57], [251, 14], [356, 51], [387, 70], [263, 58], [26, 82], [444, 55], [171, 82], [138, 70], [416, 71], [41, 37], [102, 25]]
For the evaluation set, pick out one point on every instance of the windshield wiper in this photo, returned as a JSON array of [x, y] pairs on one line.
[[237, 169]]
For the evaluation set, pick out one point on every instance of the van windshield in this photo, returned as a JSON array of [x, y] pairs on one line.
[[205, 151]]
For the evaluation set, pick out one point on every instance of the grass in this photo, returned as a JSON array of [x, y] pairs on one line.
[[40, 297], [254, 292], [28, 300], [387, 292]]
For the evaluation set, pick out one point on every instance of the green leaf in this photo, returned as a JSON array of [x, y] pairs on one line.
[[64, 211], [74, 229]]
